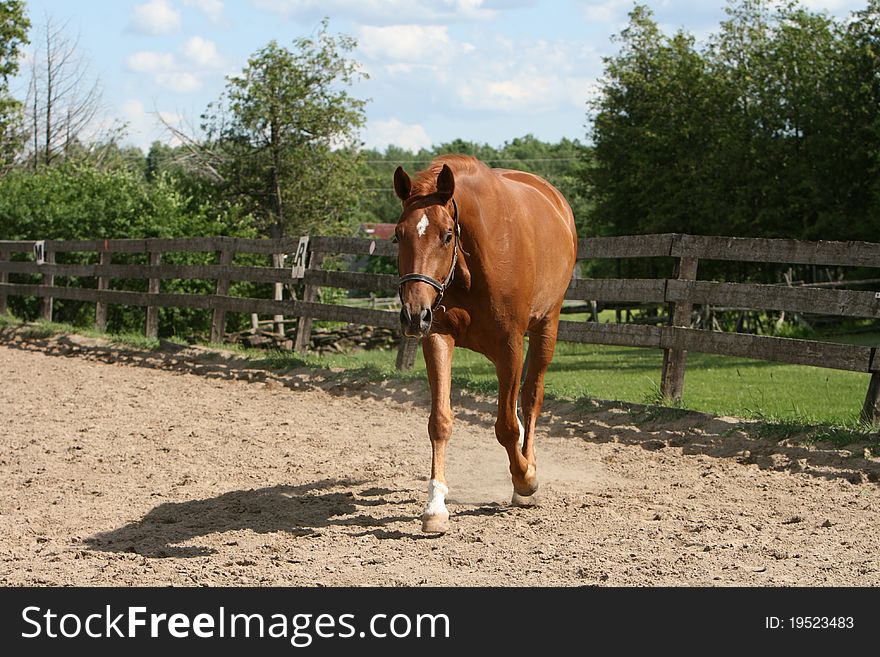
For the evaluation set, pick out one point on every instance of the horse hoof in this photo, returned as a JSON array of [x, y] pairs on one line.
[[438, 524], [524, 501], [526, 489]]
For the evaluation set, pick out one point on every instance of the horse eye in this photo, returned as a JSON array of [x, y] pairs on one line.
[[447, 238]]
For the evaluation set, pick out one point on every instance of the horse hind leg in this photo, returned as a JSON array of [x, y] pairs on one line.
[[542, 344], [519, 416], [508, 428], [517, 499]]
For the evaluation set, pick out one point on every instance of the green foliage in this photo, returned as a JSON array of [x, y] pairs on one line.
[[160, 158], [651, 151], [770, 129], [282, 138], [13, 35], [71, 202], [560, 163], [80, 201]]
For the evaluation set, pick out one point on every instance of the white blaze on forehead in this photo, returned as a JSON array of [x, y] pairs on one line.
[[423, 224]]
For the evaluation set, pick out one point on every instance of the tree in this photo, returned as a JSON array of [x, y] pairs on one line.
[[13, 35], [852, 167], [283, 136], [560, 163], [73, 200], [655, 126], [64, 106], [771, 129]]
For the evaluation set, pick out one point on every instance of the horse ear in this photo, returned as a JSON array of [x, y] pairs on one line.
[[402, 184], [446, 182]]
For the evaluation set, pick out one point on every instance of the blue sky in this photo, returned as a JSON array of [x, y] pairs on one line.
[[481, 70]]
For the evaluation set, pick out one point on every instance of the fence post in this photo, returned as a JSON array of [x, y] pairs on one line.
[[103, 284], [310, 293], [406, 353], [49, 281], [675, 360], [218, 321], [871, 408], [4, 278], [278, 261], [151, 329]]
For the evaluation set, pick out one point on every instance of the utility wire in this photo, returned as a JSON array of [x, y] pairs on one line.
[[490, 159]]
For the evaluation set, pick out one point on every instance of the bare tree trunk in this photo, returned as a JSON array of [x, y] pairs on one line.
[[276, 178], [35, 120], [50, 70], [64, 101]]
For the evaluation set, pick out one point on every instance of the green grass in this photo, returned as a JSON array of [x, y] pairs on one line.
[[714, 384], [787, 397], [43, 329], [721, 385]]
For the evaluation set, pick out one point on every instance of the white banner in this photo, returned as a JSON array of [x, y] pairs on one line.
[[40, 251], [299, 258]]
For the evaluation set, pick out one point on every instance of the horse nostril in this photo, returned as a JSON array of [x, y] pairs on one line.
[[405, 317], [426, 317]]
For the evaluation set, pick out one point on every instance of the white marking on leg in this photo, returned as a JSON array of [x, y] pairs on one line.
[[437, 493], [522, 429], [423, 224]]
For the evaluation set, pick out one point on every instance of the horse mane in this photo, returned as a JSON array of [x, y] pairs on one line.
[[425, 182]]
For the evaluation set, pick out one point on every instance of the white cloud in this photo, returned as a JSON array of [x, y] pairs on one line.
[[523, 76], [155, 17], [133, 111], [385, 11], [519, 92], [213, 9], [150, 62], [380, 134], [838, 7], [522, 93], [203, 53], [405, 43], [180, 82], [400, 68], [606, 11], [145, 127], [183, 73]]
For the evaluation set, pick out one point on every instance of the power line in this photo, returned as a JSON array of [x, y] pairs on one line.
[[490, 159]]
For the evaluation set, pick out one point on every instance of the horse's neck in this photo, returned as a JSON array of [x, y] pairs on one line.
[[472, 202]]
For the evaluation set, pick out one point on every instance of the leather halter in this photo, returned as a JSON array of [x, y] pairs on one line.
[[441, 287]]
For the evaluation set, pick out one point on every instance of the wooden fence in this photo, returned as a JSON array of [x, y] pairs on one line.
[[681, 292]]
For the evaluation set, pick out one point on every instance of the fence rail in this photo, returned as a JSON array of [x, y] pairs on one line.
[[680, 291]]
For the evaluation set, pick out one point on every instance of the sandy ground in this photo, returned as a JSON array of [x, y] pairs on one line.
[[124, 468]]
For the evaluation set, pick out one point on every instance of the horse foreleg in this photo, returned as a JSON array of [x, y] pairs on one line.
[[508, 429], [437, 350], [542, 343]]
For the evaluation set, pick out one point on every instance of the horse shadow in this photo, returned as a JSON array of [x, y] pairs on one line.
[[301, 510], [746, 442]]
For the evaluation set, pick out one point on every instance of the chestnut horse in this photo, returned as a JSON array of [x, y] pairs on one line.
[[485, 257]]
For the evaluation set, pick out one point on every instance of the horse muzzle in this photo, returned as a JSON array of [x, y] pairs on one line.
[[416, 324]]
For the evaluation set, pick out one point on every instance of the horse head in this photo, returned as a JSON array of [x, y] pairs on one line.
[[428, 236]]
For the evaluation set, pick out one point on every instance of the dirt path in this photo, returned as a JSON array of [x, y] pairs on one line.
[[115, 474]]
